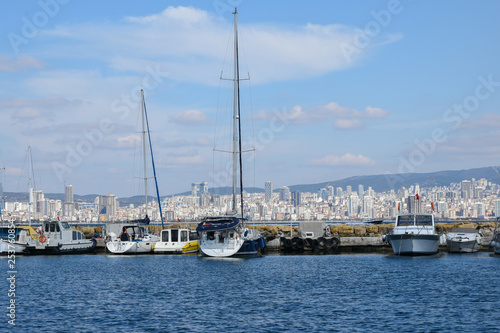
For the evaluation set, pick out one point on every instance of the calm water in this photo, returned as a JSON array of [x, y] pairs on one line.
[[336, 293]]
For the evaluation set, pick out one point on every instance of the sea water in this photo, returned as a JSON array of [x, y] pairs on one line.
[[273, 293]]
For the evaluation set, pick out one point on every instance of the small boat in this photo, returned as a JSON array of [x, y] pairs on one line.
[[177, 240], [57, 237], [228, 235], [414, 234], [191, 247], [133, 237], [463, 240], [373, 221], [13, 239]]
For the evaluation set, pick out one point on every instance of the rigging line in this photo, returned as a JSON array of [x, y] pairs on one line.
[[24, 164], [237, 76], [153, 161]]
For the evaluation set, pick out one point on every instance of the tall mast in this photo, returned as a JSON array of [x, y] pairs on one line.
[[144, 151], [152, 158], [237, 122], [30, 184], [235, 110]]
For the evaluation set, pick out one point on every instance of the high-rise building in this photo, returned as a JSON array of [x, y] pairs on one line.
[[348, 189], [296, 198], [361, 191], [195, 188], [368, 206], [68, 193], [285, 194], [497, 207], [353, 205], [204, 188], [323, 194], [339, 192], [466, 188], [413, 204], [107, 206], [269, 191]]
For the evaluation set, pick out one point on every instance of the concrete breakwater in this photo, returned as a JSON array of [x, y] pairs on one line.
[[345, 238]]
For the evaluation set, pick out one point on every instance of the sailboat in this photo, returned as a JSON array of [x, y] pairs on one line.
[[13, 239], [134, 238], [228, 235]]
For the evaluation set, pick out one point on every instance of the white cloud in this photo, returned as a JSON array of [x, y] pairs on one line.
[[348, 124], [186, 160], [346, 159], [344, 117], [189, 44], [22, 62], [486, 121], [190, 117]]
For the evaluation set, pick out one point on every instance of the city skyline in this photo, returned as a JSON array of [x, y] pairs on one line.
[[338, 89], [467, 199]]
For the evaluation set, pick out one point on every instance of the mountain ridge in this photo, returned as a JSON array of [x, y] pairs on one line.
[[379, 183]]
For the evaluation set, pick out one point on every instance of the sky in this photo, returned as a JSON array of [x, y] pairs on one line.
[[337, 89]]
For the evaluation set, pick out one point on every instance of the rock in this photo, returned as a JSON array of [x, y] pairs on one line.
[[359, 230]]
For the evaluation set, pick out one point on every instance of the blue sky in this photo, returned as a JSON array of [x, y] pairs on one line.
[[338, 89]]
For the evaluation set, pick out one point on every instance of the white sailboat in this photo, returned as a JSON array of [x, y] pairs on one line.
[[15, 240], [225, 236], [134, 238]]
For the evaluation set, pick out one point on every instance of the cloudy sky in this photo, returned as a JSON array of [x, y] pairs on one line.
[[336, 89]]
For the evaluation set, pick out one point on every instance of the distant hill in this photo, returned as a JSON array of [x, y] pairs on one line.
[[383, 183], [379, 183], [24, 196]]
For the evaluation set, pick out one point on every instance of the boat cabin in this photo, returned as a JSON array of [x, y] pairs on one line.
[[418, 220], [178, 235], [131, 232]]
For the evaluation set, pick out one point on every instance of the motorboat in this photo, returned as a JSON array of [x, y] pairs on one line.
[[414, 234], [133, 239], [229, 235], [57, 237], [463, 240], [13, 239], [177, 240]]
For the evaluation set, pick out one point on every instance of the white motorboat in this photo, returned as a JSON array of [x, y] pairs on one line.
[[13, 239], [463, 240], [228, 235], [414, 234], [57, 237], [133, 238], [177, 240]]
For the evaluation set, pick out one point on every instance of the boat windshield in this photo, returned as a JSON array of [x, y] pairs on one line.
[[423, 220], [405, 220], [65, 225]]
